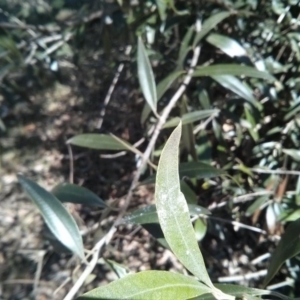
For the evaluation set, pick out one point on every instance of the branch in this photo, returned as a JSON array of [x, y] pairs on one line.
[[161, 121]]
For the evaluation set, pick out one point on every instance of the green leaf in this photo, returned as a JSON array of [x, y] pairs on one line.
[[185, 47], [200, 228], [232, 69], [120, 270], [293, 216], [162, 6], [158, 285], [288, 247], [97, 141], [239, 292], [197, 169], [162, 87], [229, 46], [191, 117], [251, 119], [66, 192], [146, 77], [236, 86], [148, 214], [259, 203], [189, 194], [295, 154], [210, 24], [173, 212], [57, 218]]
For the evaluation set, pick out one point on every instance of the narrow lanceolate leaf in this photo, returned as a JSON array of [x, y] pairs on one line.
[[232, 69], [236, 86], [148, 214], [228, 45], [158, 285], [161, 88], [288, 247], [66, 192], [57, 218], [210, 24], [185, 47], [191, 117], [162, 6], [240, 292], [199, 170], [97, 141], [146, 77], [294, 153], [173, 212]]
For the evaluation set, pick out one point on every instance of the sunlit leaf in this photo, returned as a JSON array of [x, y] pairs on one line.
[[232, 69], [161, 88], [148, 214], [162, 6], [295, 154], [73, 193], [191, 117], [173, 212], [228, 45], [185, 47], [210, 24], [160, 285], [288, 247], [200, 227], [257, 204], [97, 141], [57, 218], [146, 76], [293, 216], [239, 291], [236, 86], [253, 130]]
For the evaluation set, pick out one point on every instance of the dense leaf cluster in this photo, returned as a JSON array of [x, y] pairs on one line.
[[239, 108]]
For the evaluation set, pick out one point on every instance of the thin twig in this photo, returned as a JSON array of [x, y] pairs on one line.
[[260, 258], [165, 114], [91, 265], [37, 277], [251, 196], [203, 125], [111, 88], [241, 199], [62, 285], [288, 281], [56, 46], [243, 277], [238, 224], [279, 172], [71, 175], [118, 154]]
